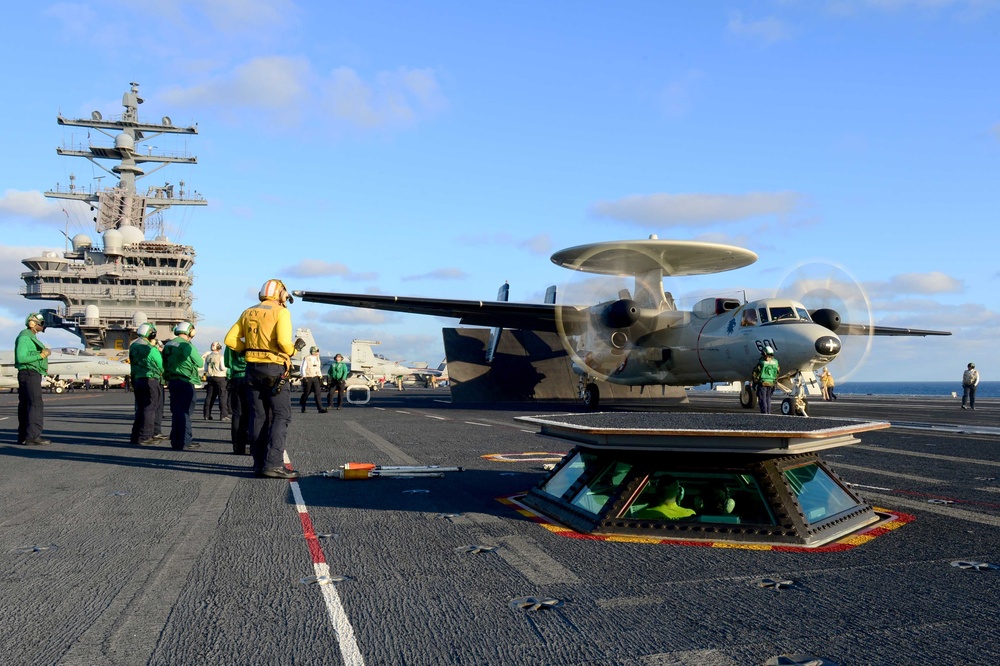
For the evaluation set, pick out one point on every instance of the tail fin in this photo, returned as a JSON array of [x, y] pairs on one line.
[[362, 357], [491, 348]]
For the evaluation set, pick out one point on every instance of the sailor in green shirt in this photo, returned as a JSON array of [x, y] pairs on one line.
[[181, 369], [147, 371], [239, 400], [765, 376], [337, 372], [30, 359]]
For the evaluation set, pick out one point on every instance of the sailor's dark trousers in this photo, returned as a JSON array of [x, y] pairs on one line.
[[271, 415], [147, 394], [181, 412], [30, 411], [240, 406]]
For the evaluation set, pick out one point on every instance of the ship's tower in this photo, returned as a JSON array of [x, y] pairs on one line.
[[108, 289]]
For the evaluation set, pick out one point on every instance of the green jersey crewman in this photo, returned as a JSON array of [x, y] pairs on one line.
[[182, 370], [31, 361], [765, 376]]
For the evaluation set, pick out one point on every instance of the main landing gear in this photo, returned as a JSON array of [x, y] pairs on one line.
[[748, 399]]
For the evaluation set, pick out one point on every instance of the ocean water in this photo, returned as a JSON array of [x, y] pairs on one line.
[[943, 389]]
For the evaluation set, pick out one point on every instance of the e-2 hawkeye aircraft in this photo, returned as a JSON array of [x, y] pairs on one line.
[[640, 338]]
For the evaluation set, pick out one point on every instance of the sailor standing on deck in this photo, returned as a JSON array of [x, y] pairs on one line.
[[970, 380], [310, 372], [765, 375], [263, 333], [181, 369], [30, 359], [146, 372], [239, 401], [215, 382]]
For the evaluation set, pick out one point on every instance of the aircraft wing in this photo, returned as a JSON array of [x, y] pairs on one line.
[[864, 329], [529, 316]]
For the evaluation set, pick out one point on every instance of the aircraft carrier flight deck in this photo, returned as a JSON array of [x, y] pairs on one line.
[[119, 554]]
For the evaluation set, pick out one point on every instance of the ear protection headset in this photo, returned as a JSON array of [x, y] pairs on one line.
[[185, 328], [37, 318]]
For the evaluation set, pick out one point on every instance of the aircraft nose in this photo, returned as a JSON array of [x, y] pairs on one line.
[[828, 345]]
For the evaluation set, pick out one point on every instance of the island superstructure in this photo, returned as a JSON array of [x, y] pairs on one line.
[[105, 291]]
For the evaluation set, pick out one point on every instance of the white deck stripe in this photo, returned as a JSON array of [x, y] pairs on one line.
[[349, 650]]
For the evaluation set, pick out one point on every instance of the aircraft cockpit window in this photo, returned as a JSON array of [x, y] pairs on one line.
[[819, 496], [763, 315], [704, 497], [749, 317], [593, 496], [803, 314], [782, 312]]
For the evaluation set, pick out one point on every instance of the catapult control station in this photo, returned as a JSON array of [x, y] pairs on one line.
[[709, 477]]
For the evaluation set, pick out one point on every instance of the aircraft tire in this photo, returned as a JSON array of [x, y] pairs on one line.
[[58, 389], [747, 397], [591, 396], [787, 406]]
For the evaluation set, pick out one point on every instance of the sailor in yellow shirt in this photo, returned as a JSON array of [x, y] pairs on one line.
[[664, 497], [263, 334]]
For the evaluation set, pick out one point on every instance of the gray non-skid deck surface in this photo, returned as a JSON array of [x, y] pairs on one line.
[[123, 555]]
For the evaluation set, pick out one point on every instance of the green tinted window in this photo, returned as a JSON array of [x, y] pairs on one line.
[[714, 497], [595, 494], [819, 496]]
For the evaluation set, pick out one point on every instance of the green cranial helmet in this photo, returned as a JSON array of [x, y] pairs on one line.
[[35, 317], [314, 349], [146, 330], [184, 328]]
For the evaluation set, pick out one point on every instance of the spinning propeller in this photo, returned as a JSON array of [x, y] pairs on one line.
[[835, 299]]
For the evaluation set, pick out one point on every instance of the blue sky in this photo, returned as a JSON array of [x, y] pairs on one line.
[[439, 149]]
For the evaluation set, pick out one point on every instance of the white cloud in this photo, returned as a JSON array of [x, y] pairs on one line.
[[915, 283], [286, 87], [688, 210], [357, 316], [768, 30], [33, 206], [392, 99], [540, 244], [320, 268], [440, 274], [276, 83], [241, 16]]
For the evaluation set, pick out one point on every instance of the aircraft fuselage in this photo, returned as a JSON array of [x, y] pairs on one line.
[[693, 348]]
